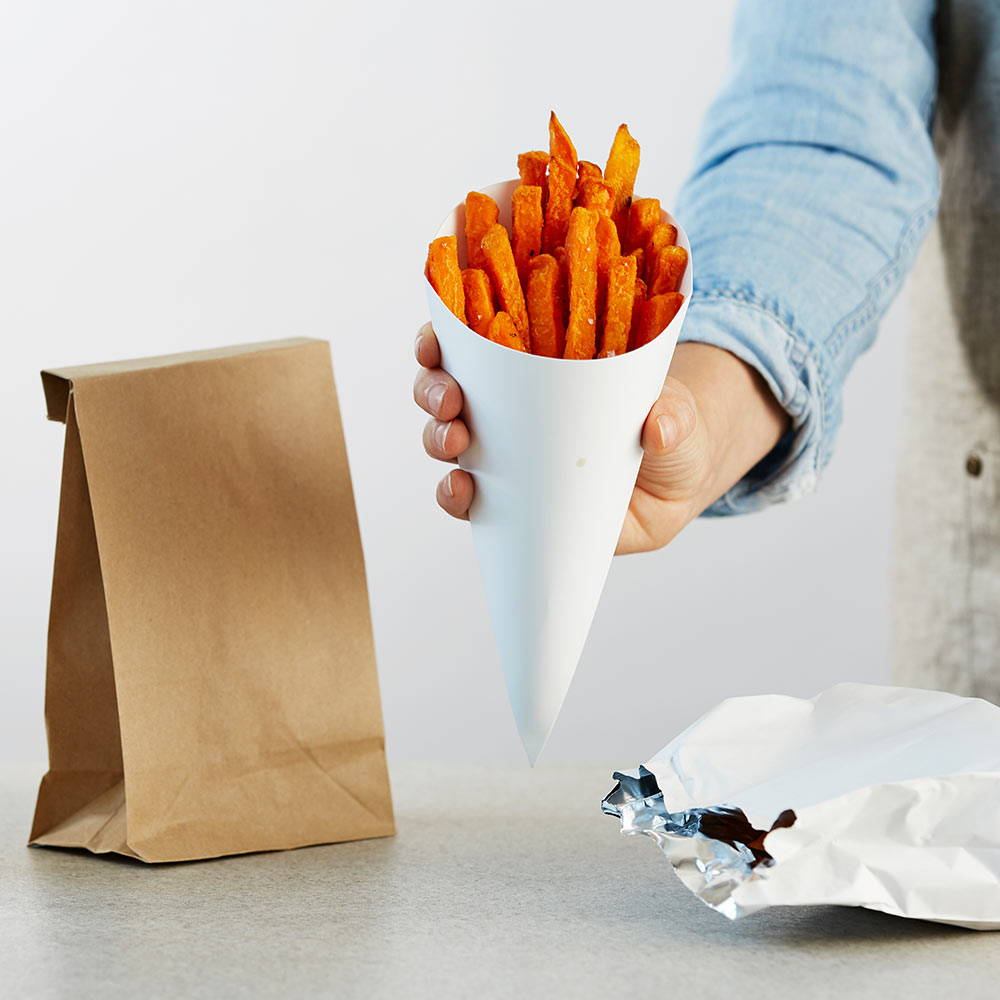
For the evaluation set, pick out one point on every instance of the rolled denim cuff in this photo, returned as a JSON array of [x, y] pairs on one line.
[[799, 375]]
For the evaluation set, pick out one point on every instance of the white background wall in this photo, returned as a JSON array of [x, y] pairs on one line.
[[182, 175]]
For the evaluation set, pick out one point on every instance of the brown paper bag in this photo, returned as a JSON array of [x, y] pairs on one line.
[[211, 684]]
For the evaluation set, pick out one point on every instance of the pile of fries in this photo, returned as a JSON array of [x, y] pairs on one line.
[[589, 273]]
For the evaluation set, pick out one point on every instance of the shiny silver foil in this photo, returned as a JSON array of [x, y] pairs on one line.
[[882, 797], [713, 850]]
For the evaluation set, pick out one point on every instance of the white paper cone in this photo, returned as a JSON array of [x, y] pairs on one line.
[[555, 453]]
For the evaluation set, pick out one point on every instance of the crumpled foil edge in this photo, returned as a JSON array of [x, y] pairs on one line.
[[713, 850]]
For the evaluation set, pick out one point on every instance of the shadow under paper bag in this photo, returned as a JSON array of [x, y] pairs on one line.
[[555, 452]]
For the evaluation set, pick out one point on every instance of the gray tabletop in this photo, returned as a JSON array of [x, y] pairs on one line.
[[502, 882]]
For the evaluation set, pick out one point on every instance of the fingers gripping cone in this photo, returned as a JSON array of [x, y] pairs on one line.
[[554, 455]]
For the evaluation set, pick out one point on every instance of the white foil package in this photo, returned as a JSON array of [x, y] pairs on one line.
[[881, 797], [554, 454]]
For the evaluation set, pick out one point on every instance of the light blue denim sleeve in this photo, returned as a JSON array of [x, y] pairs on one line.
[[814, 183]]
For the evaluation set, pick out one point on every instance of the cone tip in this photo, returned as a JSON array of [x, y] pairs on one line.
[[533, 740]]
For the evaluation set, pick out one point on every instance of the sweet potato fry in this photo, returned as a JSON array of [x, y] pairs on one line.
[[560, 255], [640, 260], [663, 235], [445, 275], [532, 166], [500, 267], [643, 218], [502, 331], [560, 145], [481, 212], [595, 194], [618, 311], [638, 301], [478, 299], [526, 214], [608, 248], [657, 312], [607, 240], [587, 171], [561, 185], [562, 182], [545, 307], [581, 258], [622, 166], [668, 269]]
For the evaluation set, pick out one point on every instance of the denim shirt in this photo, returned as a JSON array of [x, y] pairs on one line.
[[815, 182]]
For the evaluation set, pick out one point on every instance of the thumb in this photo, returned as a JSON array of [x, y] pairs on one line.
[[671, 421]]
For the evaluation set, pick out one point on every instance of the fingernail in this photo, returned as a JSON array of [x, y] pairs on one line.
[[668, 430], [417, 342], [436, 395], [447, 485], [441, 435]]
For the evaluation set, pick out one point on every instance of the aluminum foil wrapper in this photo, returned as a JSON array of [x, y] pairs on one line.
[[881, 797]]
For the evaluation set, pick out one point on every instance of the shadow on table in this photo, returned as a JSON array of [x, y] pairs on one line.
[[838, 925]]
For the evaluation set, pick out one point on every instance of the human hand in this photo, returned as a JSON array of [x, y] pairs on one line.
[[713, 421], [445, 436]]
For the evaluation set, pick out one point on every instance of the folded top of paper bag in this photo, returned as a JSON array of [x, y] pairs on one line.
[[882, 797]]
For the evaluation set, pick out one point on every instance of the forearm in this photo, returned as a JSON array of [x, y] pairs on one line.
[[814, 183]]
